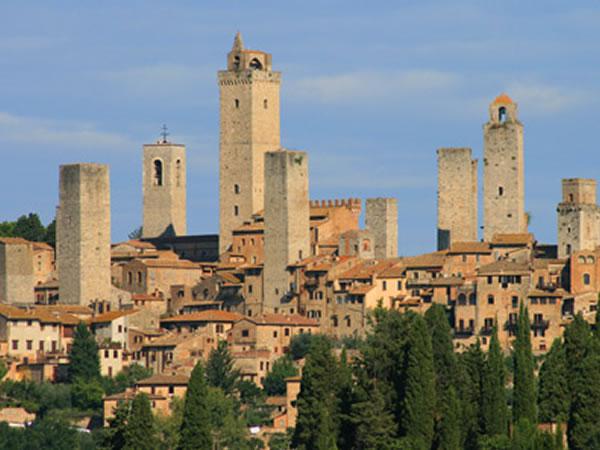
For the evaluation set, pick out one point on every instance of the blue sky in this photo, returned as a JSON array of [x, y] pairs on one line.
[[370, 90]]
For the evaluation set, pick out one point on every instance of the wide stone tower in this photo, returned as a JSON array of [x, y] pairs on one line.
[[578, 217], [381, 219], [457, 196], [287, 226], [249, 96], [83, 234], [503, 170], [164, 188]]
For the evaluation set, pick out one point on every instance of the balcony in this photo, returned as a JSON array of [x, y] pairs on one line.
[[486, 330], [463, 333], [540, 324]]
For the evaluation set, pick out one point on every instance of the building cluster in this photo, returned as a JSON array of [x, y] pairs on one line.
[[285, 265]]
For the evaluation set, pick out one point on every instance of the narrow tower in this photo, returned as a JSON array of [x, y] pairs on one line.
[[16, 271], [83, 234], [457, 196], [381, 219], [578, 217], [164, 187], [287, 229], [249, 96], [503, 171]]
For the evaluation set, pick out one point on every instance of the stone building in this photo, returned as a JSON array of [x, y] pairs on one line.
[[164, 189], [287, 226], [457, 197], [16, 271], [382, 221], [83, 234], [249, 96], [503, 170], [578, 217]]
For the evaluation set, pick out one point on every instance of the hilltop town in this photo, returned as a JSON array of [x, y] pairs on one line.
[[284, 265]]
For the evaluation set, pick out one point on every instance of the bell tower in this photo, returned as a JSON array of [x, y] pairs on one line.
[[249, 111]]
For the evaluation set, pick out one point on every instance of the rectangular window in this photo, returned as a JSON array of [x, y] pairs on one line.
[[274, 334], [115, 354], [29, 345], [384, 285], [15, 344], [106, 354], [287, 331], [490, 280], [515, 301], [245, 333], [41, 346], [399, 285], [220, 328]]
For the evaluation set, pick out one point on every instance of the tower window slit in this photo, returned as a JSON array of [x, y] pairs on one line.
[[158, 172], [237, 103]]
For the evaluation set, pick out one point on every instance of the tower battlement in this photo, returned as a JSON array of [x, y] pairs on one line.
[[337, 203]]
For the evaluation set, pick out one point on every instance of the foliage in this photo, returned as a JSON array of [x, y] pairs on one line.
[[125, 379], [168, 426], [220, 370], [30, 227], [281, 441], [524, 401], [87, 394], [274, 383], [3, 369], [375, 427], [472, 369], [553, 392], [39, 398], [136, 233], [140, 431], [493, 395], [195, 432], [299, 345], [84, 359]]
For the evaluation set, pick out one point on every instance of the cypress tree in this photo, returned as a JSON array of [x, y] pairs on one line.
[[316, 427], [140, 431], [449, 430], [118, 427], [374, 425], [471, 369], [524, 403], [418, 401], [195, 431], [494, 411], [84, 361], [553, 392], [220, 370], [346, 400]]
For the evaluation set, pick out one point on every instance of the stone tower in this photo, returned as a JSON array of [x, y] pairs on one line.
[[578, 217], [164, 187], [83, 234], [503, 170], [457, 196], [249, 96], [16, 271], [381, 219], [287, 228]]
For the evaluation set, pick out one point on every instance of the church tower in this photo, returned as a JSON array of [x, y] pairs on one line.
[[164, 186], [503, 170], [249, 96]]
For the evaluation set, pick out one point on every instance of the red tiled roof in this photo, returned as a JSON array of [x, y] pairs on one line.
[[512, 239], [469, 247], [503, 98], [211, 315], [13, 241], [164, 379], [282, 319], [110, 316]]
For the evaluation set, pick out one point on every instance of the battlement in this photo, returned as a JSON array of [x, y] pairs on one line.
[[337, 203]]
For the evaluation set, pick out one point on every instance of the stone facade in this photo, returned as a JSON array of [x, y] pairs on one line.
[[16, 271], [382, 221], [249, 97], [357, 243], [578, 217], [503, 171], [287, 237], [83, 234], [457, 197], [164, 189]]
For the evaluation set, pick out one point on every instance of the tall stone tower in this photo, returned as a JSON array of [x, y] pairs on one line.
[[16, 271], [457, 196], [381, 219], [83, 234], [249, 95], [503, 170], [164, 187], [578, 217], [287, 227]]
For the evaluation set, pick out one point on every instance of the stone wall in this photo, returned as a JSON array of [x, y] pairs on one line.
[[16, 271], [382, 221]]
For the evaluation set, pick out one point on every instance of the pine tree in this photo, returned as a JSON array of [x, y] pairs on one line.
[[195, 432], [493, 396], [84, 361], [471, 371], [118, 426], [374, 424], [346, 399], [220, 370], [316, 427], [274, 383], [140, 432], [553, 392], [449, 430], [418, 401], [30, 227], [524, 402]]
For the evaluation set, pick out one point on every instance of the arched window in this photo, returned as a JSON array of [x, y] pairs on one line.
[[237, 103], [265, 103], [255, 64], [490, 299], [472, 299], [236, 188], [590, 260], [462, 299], [581, 260], [500, 191], [236, 62], [178, 172], [236, 210], [334, 321], [502, 114], [586, 279], [568, 248], [158, 172], [571, 198]]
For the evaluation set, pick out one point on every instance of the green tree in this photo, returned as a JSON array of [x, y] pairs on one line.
[[299, 345], [50, 234], [220, 370], [7, 229], [274, 383], [227, 428], [524, 401], [84, 361], [87, 394], [418, 402], [50, 433], [168, 425], [346, 397], [553, 392], [115, 438], [195, 430], [30, 227], [140, 432], [493, 396], [3, 369], [280, 441], [316, 423], [471, 369], [375, 426]]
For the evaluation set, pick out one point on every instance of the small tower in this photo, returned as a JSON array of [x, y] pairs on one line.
[[83, 234], [503, 170], [457, 196], [381, 219], [164, 189], [578, 217], [287, 229], [16, 271], [249, 97]]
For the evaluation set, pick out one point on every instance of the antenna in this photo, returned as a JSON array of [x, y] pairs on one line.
[[164, 133]]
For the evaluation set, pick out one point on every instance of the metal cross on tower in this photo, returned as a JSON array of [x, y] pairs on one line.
[[164, 133]]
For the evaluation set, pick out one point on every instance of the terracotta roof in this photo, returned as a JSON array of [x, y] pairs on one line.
[[110, 316], [161, 379], [504, 268], [282, 319], [147, 297], [539, 293], [397, 271], [255, 227], [435, 259], [42, 246], [230, 278], [369, 268], [512, 239], [361, 290], [129, 395], [13, 241], [447, 281], [169, 340], [50, 284], [503, 98], [210, 315], [469, 247], [276, 401], [136, 243], [71, 309], [252, 354], [42, 315], [170, 264]]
